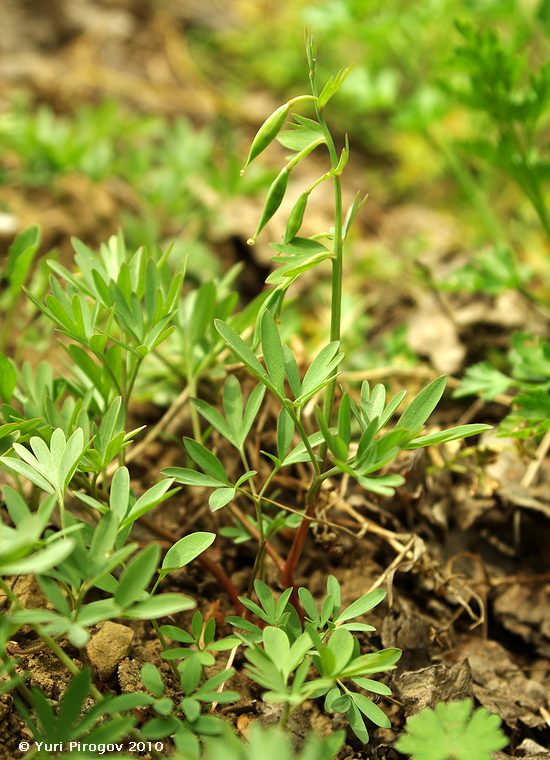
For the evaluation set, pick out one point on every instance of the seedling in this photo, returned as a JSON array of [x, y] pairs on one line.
[[452, 732], [355, 439]]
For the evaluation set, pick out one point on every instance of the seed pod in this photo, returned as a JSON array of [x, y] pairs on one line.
[[274, 198], [296, 217], [267, 132]]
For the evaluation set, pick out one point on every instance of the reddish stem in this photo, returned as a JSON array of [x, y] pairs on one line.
[[223, 579], [287, 573]]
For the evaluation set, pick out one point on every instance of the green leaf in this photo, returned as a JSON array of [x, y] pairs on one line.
[[375, 686], [26, 470], [8, 378], [40, 561], [221, 497], [418, 411], [186, 550], [285, 433], [374, 662], [152, 679], [384, 485], [301, 133], [96, 612], [20, 255], [192, 477], [320, 370], [277, 647], [206, 460], [73, 699], [273, 352], [251, 410], [362, 605], [356, 206], [233, 407], [357, 724], [332, 86], [372, 711], [159, 606], [444, 436], [160, 728], [137, 575], [452, 731], [120, 493], [485, 380], [216, 419], [242, 351], [340, 645], [148, 501]]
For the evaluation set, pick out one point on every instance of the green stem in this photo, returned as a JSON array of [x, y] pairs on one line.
[[195, 422], [257, 503], [165, 647], [303, 435], [337, 263], [285, 715], [287, 575]]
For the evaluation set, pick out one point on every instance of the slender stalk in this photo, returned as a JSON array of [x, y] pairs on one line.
[[287, 574], [165, 647], [337, 262], [285, 715], [305, 440], [257, 504], [195, 422]]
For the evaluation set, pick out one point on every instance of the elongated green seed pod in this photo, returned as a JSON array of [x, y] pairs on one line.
[[296, 217], [274, 198], [267, 132]]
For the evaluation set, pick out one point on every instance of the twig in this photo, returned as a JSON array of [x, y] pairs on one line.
[[229, 663], [534, 466], [395, 564]]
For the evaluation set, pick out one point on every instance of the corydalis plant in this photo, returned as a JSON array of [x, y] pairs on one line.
[[351, 438]]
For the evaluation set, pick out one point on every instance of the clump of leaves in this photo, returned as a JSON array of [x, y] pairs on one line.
[[281, 655], [497, 83], [452, 732], [528, 364], [271, 744], [491, 271]]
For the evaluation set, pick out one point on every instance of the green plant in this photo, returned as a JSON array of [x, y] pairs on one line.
[[528, 364], [185, 720], [280, 656], [271, 744], [329, 449], [21, 255], [452, 732], [514, 103], [72, 723]]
